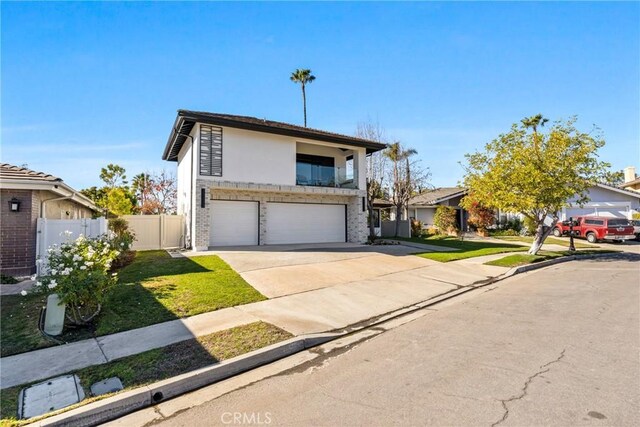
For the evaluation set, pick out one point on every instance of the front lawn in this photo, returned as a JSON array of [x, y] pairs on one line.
[[548, 240], [516, 260], [154, 288], [466, 248], [158, 364]]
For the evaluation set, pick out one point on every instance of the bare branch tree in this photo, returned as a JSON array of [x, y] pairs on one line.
[[406, 175], [376, 167], [158, 193]]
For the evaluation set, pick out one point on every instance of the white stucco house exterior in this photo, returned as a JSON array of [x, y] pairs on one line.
[[606, 201], [249, 181]]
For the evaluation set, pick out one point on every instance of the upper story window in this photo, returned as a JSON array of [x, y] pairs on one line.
[[349, 168], [210, 150], [315, 170]]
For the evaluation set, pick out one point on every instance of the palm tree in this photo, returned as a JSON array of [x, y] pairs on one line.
[[534, 121], [303, 76], [402, 183]]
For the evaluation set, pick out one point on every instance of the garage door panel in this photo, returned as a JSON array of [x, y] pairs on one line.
[[233, 223], [608, 212], [305, 223]]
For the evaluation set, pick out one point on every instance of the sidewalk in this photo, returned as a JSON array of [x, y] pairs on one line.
[[319, 310]]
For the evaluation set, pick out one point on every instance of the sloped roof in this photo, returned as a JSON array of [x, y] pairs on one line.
[[8, 171], [16, 177], [630, 183], [432, 197], [186, 120]]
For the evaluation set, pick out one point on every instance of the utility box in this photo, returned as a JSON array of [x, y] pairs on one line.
[[54, 316]]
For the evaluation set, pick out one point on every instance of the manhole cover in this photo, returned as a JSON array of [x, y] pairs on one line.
[[49, 395], [110, 385]]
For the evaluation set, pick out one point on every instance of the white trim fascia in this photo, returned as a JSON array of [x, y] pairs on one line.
[[57, 187]]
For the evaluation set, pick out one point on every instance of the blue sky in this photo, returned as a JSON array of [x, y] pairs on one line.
[[86, 84]]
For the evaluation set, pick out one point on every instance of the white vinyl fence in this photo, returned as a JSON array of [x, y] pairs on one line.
[[56, 231], [156, 231]]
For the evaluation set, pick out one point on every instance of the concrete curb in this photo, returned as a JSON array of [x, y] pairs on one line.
[[141, 397], [542, 264]]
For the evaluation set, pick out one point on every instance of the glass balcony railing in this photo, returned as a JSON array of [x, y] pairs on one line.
[[326, 176]]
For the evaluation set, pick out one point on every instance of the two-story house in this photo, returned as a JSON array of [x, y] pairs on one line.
[[249, 181]]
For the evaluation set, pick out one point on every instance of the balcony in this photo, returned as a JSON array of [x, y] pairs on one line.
[[314, 175]]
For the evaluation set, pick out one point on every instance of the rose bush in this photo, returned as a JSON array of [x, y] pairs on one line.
[[79, 272]]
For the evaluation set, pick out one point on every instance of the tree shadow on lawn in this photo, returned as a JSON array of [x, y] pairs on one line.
[[157, 288], [154, 288]]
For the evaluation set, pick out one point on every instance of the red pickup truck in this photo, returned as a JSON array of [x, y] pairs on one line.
[[595, 228]]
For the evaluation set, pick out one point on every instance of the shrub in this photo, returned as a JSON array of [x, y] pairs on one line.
[[79, 272], [635, 215], [480, 217], [513, 223], [122, 239], [505, 233], [8, 280], [416, 228], [529, 226], [445, 219]]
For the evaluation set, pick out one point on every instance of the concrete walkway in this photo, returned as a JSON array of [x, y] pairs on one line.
[[317, 310], [16, 288]]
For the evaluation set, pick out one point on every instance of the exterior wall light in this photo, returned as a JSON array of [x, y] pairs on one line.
[[14, 205]]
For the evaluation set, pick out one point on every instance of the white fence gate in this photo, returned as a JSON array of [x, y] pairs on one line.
[[54, 231], [156, 231]]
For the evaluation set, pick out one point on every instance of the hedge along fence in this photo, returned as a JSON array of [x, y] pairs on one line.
[[156, 231]]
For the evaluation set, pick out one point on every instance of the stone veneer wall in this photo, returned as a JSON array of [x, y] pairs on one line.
[[356, 217]]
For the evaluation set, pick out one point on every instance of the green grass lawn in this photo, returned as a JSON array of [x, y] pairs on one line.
[[466, 248], [517, 260], [549, 240], [154, 288], [162, 363]]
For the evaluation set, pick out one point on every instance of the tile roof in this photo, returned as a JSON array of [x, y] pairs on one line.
[[8, 171], [431, 197]]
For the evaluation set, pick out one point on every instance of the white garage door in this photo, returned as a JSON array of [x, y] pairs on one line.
[[233, 223], [615, 212], [305, 223]]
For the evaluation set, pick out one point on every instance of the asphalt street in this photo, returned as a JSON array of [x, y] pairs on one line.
[[558, 346]]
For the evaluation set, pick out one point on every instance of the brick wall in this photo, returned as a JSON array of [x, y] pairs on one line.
[[18, 232]]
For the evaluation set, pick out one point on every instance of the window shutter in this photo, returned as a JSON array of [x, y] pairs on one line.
[[210, 150]]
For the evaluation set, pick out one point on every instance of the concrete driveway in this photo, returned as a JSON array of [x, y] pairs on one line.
[[318, 288], [282, 270]]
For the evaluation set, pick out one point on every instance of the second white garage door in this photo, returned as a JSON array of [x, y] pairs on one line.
[[305, 223], [610, 212], [233, 223]]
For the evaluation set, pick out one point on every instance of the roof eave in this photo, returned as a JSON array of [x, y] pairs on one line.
[[57, 187], [184, 115]]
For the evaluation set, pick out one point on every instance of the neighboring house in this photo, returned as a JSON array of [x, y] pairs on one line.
[[25, 196], [249, 181], [631, 180], [606, 200], [423, 206]]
